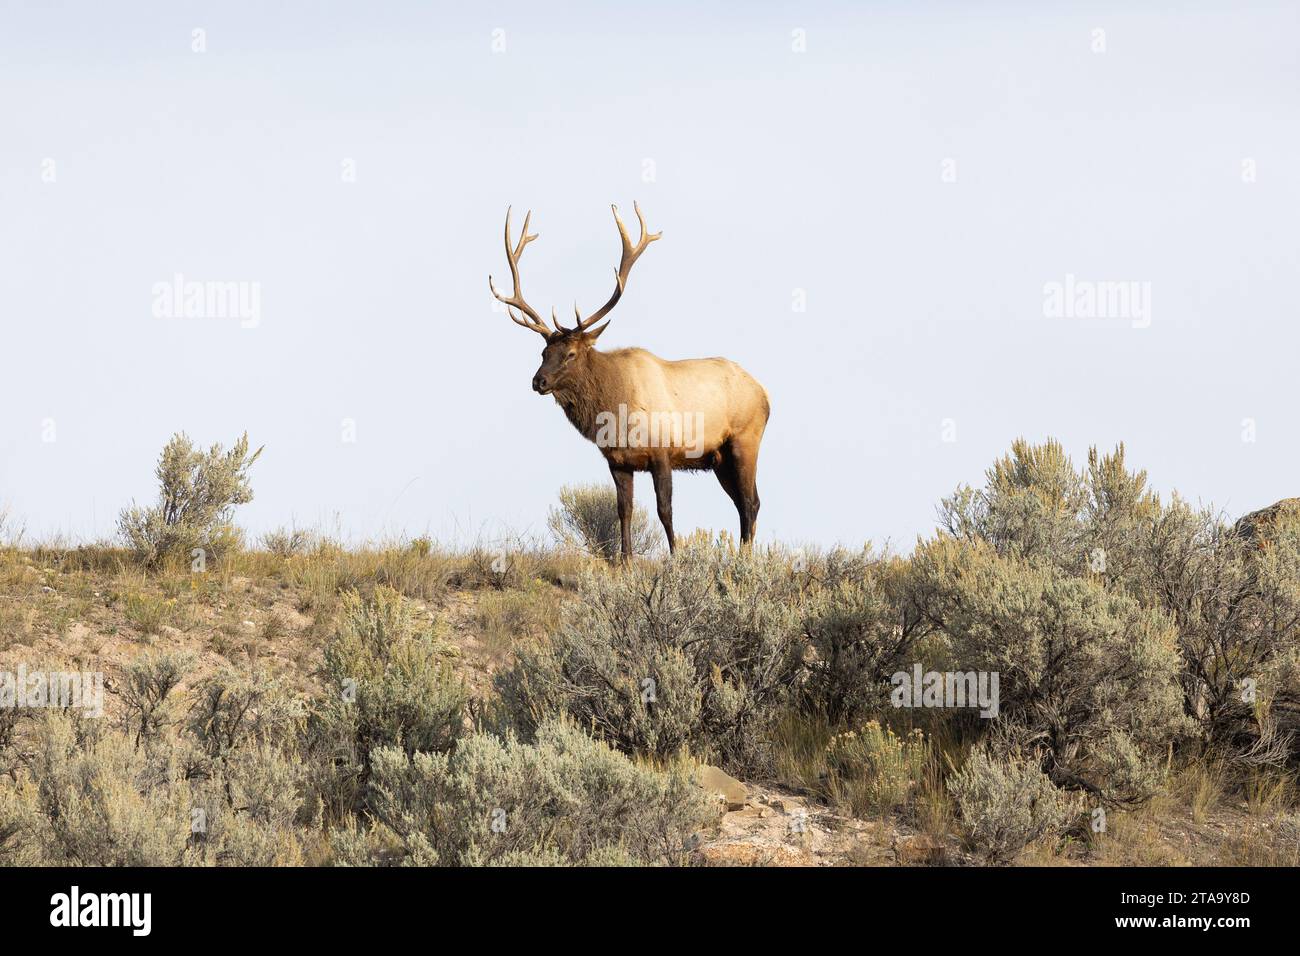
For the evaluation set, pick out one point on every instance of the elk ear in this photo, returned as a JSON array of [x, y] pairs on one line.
[[595, 333]]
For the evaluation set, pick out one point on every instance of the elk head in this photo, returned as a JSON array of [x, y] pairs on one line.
[[566, 349]]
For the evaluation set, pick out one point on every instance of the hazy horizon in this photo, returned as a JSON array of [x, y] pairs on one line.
[[865, 205]]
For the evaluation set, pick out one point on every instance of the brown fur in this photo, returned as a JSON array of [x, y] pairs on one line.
[[722, 406], [731, 405]]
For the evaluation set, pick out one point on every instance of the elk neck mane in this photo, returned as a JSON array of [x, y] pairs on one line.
[[601, 386]]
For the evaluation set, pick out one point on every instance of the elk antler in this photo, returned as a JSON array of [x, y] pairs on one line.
[[516, 299], [630, 254]]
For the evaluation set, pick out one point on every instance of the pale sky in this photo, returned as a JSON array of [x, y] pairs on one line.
[[915, 172]]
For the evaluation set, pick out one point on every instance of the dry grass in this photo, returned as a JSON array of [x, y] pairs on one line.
[[276, 608], [1269, 794], [1274, 842], [1207, 816], [147, 613], [1203, 817], [268, 606], [933, 809], [1201, 785], [507, 616], [800, 749], [1137, 839]]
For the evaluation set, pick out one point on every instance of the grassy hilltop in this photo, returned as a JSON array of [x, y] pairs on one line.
[[291, 701]]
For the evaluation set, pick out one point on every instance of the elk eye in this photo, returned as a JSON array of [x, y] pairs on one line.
[[569, 356]]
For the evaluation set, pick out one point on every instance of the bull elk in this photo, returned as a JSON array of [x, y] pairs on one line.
[[603, 393]]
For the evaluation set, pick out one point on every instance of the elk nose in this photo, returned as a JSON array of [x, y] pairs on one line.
[[539, 382]]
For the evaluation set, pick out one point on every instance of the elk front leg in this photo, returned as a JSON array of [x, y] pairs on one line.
[[623, 485], [662, 473]]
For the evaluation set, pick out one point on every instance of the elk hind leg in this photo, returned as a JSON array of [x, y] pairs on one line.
[[728, 474], [745, 457]]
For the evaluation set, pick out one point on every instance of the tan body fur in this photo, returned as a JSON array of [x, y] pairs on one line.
[[719, 410], [730, 403]]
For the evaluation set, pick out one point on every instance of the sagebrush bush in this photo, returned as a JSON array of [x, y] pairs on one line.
[[197, 496], [1035, 505], [1090, 675], [102, 800], [8, 729], [229, 709], [390, 681], [92, 797], [1029, 507], [874, 770], [563, 798], [1118, 520], [146, 691], [1275, 630], [287, 542], [508, 616], [1230, 591], [1120, 627], [1236, 602], [256, 812], [1007, 802], [700, 651], [226, 785], [587, 519], [859, 634]]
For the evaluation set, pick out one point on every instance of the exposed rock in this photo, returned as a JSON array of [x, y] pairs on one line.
[[729, 790], [1258, 525], [741, 853], [783, 829], [919, 850], [778, 828]]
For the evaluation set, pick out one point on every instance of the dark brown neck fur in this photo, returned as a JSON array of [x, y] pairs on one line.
[[584, 396]]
